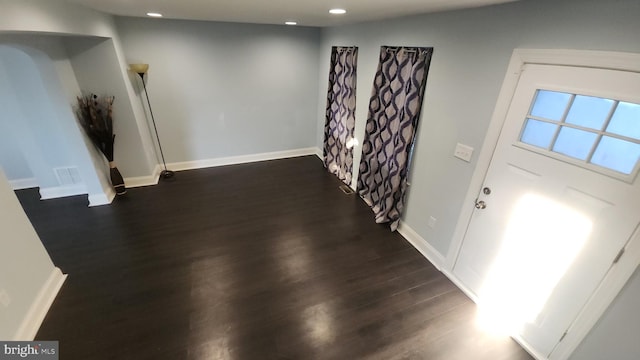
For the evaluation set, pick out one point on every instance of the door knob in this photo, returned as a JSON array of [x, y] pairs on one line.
[[481, 205]]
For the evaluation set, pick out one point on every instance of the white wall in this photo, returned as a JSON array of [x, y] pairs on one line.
[[39, 92], [616, 334], [58, 17], [223, 89], [53, 16], [12, 160], [25, 267], [97, 69], [30, 117], [231, 89], [471, 51]]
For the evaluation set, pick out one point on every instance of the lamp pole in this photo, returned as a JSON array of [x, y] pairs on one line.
[[165, 174]]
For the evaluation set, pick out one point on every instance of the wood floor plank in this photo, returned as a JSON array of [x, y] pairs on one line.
[[268, 260]]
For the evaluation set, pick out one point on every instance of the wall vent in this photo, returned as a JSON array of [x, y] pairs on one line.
[[346, 189], [68, 175]]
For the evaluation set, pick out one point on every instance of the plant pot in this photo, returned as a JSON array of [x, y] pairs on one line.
[[116, 180]]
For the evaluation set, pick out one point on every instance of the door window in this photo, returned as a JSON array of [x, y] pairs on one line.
[[597, 133]]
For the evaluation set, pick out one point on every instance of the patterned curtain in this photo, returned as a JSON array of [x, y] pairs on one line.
[[340, 115], [394, 110]]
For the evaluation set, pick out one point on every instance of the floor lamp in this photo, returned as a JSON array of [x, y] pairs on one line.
[[141, 69]]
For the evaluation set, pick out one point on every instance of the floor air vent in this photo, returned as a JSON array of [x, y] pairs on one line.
[[346, 189]]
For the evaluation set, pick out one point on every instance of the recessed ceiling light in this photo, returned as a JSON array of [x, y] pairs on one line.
[[154, 14], [290, 23], [337, 11]]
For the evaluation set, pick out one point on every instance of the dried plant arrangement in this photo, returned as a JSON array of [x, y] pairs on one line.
[[95, 115]]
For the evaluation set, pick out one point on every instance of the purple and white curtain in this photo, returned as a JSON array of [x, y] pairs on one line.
[[341, 111], [394, 111]]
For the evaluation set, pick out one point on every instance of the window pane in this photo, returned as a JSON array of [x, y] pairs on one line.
[[616, 154], [575, 143], [550, 104], [626, 120], [589, 111], [538, 133]]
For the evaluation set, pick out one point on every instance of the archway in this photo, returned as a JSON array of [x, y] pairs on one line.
[[39, 131]]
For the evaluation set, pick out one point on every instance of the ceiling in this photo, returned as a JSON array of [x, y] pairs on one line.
[[305, 12]]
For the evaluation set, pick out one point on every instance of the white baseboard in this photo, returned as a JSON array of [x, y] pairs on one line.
[[62, 191], [102, 198], [434, 257], [149, 180], [527, 347], [319, 154], [40, 306], [139, 181], [421, 245], [242, 159], [439, 261], [20, 184]]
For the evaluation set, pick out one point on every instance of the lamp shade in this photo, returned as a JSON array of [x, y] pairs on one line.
[[139, 68]]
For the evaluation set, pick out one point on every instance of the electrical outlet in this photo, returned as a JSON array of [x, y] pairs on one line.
[[463, 152], [5, 300]]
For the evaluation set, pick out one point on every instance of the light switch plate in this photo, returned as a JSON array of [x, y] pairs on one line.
[[463, 152]]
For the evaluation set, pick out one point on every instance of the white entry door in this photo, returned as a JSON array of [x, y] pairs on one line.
[[560, 200]]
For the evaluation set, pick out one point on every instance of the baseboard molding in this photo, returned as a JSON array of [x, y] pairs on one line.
[[62, 191], [102, 198], [434, 257], [132, 182], [421, 245], [527, 347], [319, 154], [20, 184], [242, 159], [140, 181], [439, 261], [40, 306]]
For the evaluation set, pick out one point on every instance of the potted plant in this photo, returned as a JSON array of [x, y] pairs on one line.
[[96, 118]]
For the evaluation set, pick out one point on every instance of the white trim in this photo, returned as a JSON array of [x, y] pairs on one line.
[[599, 302], [584, 58], [139, 181], [433, 256], [102, 198], [437, 260], [20, 184], [520, 57], [527, 347], [62, 191], [615, 279], [40, 306], [484, 157], [319, 154], [422, 245], [241, 159]]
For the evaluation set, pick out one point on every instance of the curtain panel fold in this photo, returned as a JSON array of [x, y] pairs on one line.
[[394, 112], [340, 113]]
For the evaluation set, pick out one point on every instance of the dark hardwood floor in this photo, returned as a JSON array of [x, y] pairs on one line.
[[260, 261]]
